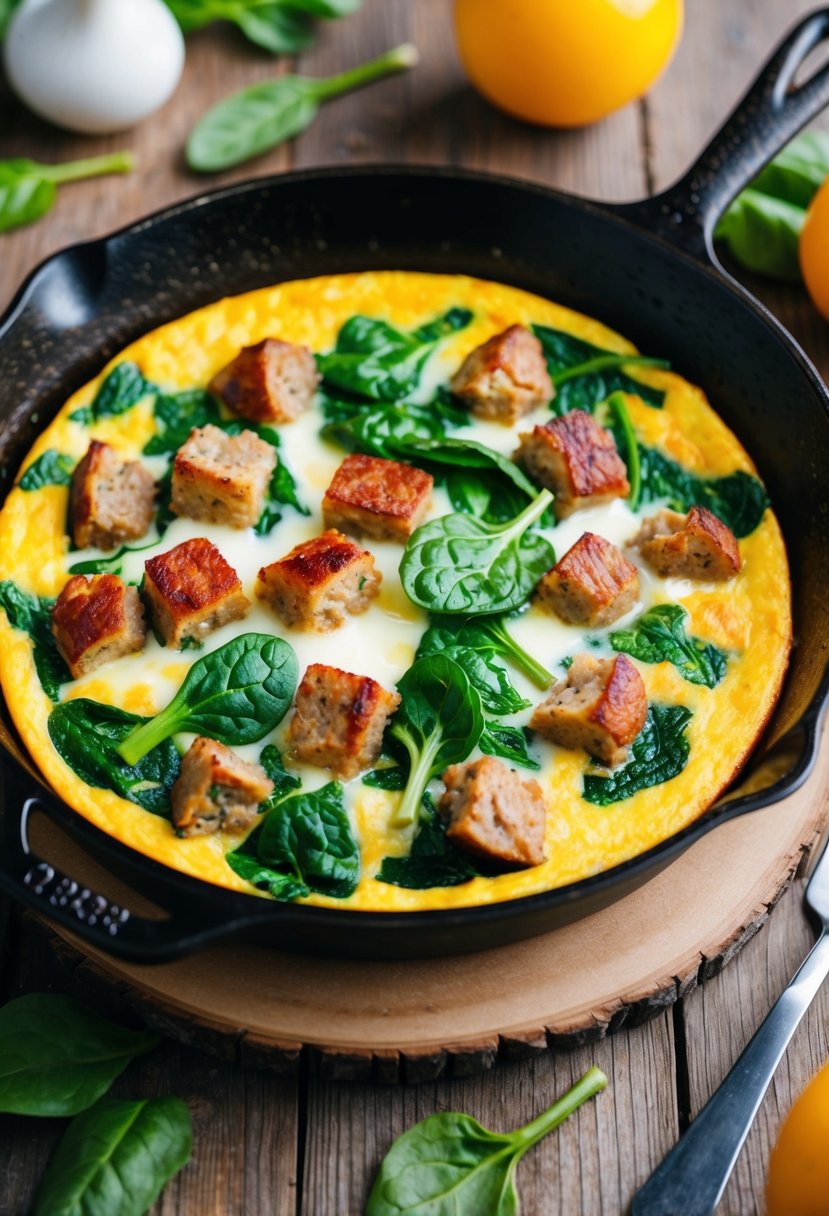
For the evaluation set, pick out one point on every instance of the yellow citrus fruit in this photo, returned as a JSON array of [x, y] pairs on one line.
[[564, 63], [798, 1181], [814, 264]]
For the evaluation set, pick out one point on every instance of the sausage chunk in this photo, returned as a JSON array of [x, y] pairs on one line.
[[320, 583], [215, 789], [222, 478], [575, 458], [273, 381], [504, 378], [696, 545], [601, 706], [97, 619], [112, 500], [370, 496], [339, 719], [593, 584], [191, 590], [494, 813]]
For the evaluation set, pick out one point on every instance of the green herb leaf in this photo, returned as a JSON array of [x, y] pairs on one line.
[[659, 636], [460, 564], [658, 754], [797, 173], [279, 26], [763, 234], [115, 1158], [28, 189], [51, 469], [283, 781], [57, 1058], [33, 615], [235, 694], [178, 414], [87, 734], [449, 1164], [585, 375], [433, 861], [121, 389], [511, 743]]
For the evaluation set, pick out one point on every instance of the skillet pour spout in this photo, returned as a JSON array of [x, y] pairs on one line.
[[646, 268]]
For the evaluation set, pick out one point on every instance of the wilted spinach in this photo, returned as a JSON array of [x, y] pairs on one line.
[[121, 389], [433, 861], [282, 492], [33, 614], [108, 565], [87, 735], [50, 469], [738, 499], [487, 635], [176, 414], [484, 670], [511, 743], [659, 636], [28, 189], [385, 428], [658, 754], [283, 781], [392, 777], [585, 375]]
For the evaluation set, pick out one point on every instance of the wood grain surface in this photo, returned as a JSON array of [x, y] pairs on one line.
[[309, 1146]]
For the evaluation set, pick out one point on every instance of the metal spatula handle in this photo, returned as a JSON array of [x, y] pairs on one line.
[[691, 1179]]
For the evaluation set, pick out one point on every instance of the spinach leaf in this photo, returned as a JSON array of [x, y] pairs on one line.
[[434, 861], [659, 636], [260, 117], [176, 414], [511, 743], [235, 694], [627, 444], [738, 499], [394, 777], [57, 1058], [164, 513], [109, 565], [283, 781], [484, 670], [585, 375], [114, 1159], [461, 564], [120, 390], [797, 173], [449, 1164], [282, 491], [762, 233], [659, 753], [439, 721], [51, 469], [87, 735], [33, 614], [304, 844], [28, 189], [486, 634], [7, 7], [385, 429], [279, 26]]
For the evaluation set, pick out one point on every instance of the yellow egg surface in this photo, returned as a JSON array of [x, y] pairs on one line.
[[747, 620]]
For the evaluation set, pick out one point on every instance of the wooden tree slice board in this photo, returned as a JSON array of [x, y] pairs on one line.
[[415, 1020]]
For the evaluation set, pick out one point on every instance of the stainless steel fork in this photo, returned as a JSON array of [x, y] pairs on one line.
[[691, 1179]]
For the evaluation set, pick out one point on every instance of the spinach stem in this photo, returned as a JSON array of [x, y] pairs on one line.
[[532, 669], [409, 810], [602, 362], [619, 410], [396, 60], [519, 525], [591, 1083], [92, 166], [147, 736]]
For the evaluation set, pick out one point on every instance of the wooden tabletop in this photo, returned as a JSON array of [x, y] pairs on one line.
[[304, 1146]]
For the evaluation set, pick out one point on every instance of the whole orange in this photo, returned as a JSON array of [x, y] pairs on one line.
[[798, 1181], [813, 250]]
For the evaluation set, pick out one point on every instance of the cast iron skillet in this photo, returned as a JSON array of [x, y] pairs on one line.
[[647, 269]]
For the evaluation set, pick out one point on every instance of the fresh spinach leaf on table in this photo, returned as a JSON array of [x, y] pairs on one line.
[[29, 189], [87, 736], [660, 636], [433, 861], [511, 743], [57, 1058], [121, 389], [50, 469], [115, 1158], [585, 375], [658, 754], [279, 26], [487, 635], [33, 615]]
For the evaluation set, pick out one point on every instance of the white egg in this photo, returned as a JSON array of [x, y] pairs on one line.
[[94, 66]]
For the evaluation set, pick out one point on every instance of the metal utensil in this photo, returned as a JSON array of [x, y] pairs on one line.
[[691, 1179]]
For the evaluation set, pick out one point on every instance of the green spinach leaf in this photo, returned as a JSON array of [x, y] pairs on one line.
[[235, 694], [585, 375], [176, 414], [114, 1159], [283, 781], [87, 736], [797, 173], [282, 492], [57, 1058], [433, 861], [449, 1164], [738, 499], [7, 7], [659, 636], [279, 26], [50, 469], [763, 234], [109, 565], [487, 635], [385, 429], [33, 614], [511, 743], [659, 754], [28, 189], [484, 670], [394, 777]]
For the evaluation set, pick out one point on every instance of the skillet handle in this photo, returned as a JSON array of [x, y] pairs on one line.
[[768, 116]]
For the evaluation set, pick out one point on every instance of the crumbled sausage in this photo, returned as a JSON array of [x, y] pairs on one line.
[[494, 813], [191, 590], [339, 719], [273, 381], [216, 790], [593, 584], [506, 377], [222, 478], [600, 706], [97, 619], [575, 458], [375, 497], [111, 500], [320, 583], [696, 545]]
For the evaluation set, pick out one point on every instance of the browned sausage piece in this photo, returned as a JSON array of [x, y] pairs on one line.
[[696, 545], [97, 619], [273, 381], [506, 377], [191, 590], [575, 458], [593, 584], [494, 813], [320, 583], [339, 719], [222, 478], [374, 497], [600, 706], [112, 500], [216, 789]]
